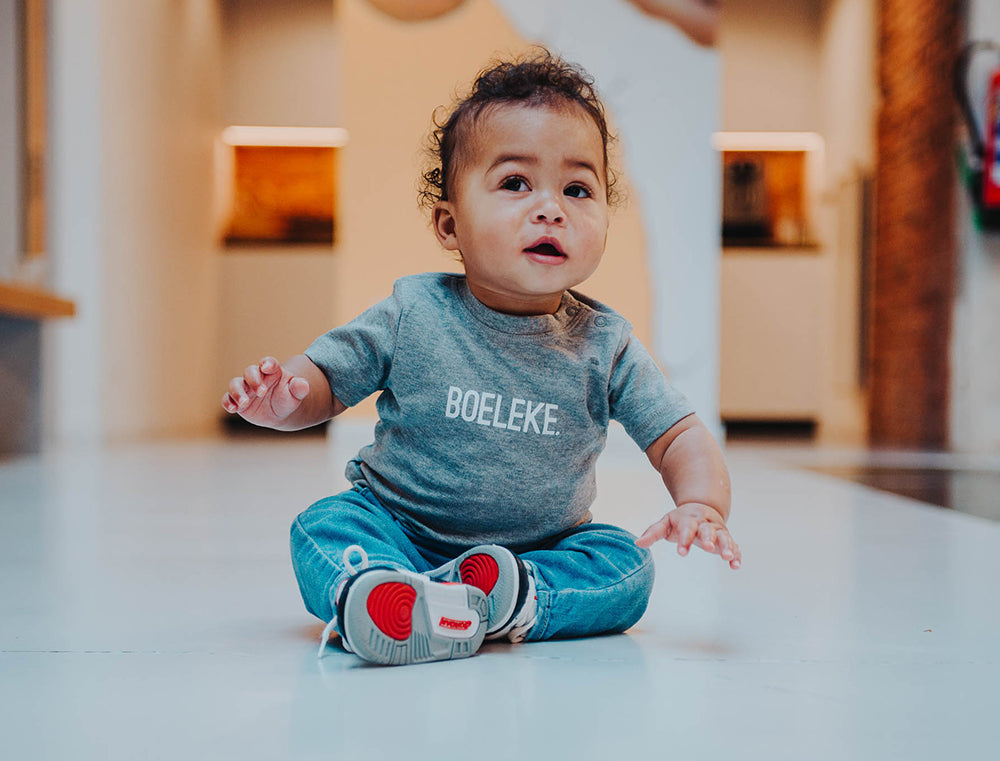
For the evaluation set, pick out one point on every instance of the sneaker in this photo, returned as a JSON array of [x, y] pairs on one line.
[[505, 580], [398, 617]]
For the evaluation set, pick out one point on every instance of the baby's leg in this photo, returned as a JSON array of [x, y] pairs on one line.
[[321, 534], [593, 580]]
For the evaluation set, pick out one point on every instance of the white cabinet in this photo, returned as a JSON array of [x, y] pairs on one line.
[[771, 334]]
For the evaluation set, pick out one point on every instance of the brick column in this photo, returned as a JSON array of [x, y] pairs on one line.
[[913, 270]]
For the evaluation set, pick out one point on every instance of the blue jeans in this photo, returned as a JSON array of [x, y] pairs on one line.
[[590, 580]]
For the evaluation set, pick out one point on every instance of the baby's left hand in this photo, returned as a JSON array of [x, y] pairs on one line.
[[698, 524]]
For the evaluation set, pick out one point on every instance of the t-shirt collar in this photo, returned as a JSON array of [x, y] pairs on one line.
[[568, 309]]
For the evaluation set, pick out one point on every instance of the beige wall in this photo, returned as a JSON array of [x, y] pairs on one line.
[[770, 64], [271, 302], [395, 75], [805, 67], [133, 123], [281, 60], [772, 306], [281, 68], [160, 101], [847, 81]]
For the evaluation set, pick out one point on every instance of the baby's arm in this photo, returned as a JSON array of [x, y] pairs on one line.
[[284, 397], [694, 471]]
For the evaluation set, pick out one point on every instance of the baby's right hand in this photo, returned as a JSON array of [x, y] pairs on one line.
[[266, 394]]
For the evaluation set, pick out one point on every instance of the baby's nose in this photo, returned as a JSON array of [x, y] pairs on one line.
[[549, 211]]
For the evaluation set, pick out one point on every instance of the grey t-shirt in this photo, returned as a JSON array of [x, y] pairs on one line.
[[490, 424]]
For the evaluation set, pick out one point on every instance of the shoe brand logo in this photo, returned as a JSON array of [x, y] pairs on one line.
[[451, 623]]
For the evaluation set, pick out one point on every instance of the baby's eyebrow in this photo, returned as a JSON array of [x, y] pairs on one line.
[[511, 157], [582, 164], [522, 159]]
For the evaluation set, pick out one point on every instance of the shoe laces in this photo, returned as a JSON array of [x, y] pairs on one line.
[[353, 570]]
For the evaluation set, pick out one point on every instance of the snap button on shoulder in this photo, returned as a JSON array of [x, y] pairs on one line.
[[600, 321]]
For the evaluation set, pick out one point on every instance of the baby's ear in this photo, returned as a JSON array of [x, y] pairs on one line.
[[444, 225]]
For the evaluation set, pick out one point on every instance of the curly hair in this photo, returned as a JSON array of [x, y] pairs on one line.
[[539, 79]]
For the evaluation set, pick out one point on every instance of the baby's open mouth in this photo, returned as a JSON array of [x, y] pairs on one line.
[[545, 249]]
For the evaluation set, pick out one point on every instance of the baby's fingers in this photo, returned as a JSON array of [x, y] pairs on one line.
[[684, 534], [731, 552], [725, 547], [718, 541], [298, 388], [288, 396], [238, 395], [269, 366], [659, 530], [228, 404], [253, 379], [707, 537]]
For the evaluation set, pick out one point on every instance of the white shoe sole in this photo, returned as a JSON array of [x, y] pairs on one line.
[[398, 617], [498, 573]]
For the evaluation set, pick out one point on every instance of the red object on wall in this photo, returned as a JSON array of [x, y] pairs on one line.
[[991, 167]]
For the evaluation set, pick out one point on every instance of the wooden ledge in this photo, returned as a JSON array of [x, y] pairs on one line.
[[32, 303]]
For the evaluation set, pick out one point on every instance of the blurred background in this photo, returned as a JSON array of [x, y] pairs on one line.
[[808, 244]]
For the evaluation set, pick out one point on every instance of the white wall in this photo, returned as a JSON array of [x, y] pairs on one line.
[[975, 407], [134, 112], [72, 373]]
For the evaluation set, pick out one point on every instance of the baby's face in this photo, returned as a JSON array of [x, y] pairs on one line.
[[529, 211]]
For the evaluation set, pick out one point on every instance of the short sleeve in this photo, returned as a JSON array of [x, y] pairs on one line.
[[356, 358], [641, 399]]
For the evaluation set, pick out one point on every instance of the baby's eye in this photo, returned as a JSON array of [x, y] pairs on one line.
[[514, 183], [577, 191]]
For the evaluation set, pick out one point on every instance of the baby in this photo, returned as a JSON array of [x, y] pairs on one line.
[[469, 516]]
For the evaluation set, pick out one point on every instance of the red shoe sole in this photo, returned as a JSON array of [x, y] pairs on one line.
[[480, 571], [390, 607]]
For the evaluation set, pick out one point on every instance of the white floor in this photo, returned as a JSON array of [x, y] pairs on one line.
[[148, 611]]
